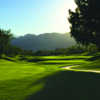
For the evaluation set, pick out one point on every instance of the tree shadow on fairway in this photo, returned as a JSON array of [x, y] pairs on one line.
[[53, 63], [69, 85], [97, 57], [37, 59]]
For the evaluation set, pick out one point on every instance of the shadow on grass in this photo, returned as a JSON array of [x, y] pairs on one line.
[[97, 57], [38, 59], [53, 63], [8, 59], [68, 85]]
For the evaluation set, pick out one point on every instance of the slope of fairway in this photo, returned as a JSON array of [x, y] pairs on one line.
[[42, 78], [17, 79]]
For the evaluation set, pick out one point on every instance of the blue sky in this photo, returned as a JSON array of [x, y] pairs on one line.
[[35, 16]]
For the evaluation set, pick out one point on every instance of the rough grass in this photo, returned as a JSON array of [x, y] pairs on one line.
[[44, 78]]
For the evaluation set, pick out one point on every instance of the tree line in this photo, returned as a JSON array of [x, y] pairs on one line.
[[6, 48]]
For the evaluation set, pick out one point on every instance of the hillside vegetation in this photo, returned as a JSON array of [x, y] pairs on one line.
[[46, 41]]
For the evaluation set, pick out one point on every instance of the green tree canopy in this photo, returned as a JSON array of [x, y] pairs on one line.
[[5, 37], [85, 22]]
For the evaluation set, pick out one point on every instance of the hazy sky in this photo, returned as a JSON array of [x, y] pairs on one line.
[[35, 16]]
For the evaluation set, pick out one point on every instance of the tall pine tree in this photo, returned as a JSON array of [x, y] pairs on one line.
[[85, 22]]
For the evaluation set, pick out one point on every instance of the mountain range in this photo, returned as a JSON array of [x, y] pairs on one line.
[[46, 41]]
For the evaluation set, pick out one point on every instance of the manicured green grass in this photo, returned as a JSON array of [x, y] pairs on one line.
[[16, 79], [42, 78], [93, 65]]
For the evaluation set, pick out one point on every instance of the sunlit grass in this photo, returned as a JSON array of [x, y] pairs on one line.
[[17, 79], [64, 57], [20, 79]]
